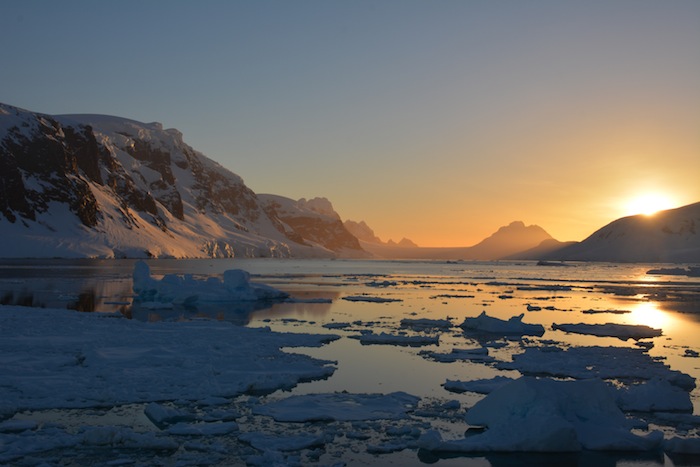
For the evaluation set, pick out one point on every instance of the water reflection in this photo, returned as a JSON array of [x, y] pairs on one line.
[[649, 314]]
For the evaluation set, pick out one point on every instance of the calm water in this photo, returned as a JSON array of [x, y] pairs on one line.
[[435, 290]]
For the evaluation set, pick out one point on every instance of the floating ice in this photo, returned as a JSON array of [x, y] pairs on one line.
[[339, 407], [596, 362], [384, 338], [268, 442], [478, 354], [186, 290], [545, 415], [512, 327], [202, 429], [655, 395], [423, 324], [621, 331], [678, 445], [480, 386], [367, 298], [52, 358]]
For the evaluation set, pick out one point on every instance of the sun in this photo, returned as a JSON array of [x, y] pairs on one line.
[[648, 204]]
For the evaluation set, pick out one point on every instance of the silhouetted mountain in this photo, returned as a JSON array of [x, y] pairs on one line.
[[505, 242], [667, 236]]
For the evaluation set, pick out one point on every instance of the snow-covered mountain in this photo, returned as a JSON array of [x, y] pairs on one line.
[[312, 222], [671, 236], [101, 186]]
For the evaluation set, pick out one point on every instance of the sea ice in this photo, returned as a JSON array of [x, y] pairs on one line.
[[621, 331], [545, 415], [426, 324], [480, 386], [339, 407], [267, 442], [655, 395], [512, 327], [52, 358], [384, 338], [596, 362], [186, 290], [368, 298], [478, 354]]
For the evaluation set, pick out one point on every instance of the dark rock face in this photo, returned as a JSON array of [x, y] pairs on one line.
[[41, 163]]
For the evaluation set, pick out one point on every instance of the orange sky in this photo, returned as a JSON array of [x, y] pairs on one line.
[[436, 121]]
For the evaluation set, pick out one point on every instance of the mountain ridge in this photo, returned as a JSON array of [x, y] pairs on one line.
[[99, 186]]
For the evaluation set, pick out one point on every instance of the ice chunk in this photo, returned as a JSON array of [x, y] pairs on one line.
[[423, 324], [678, 445], [596, 362], [653, 396], [367, 298], [340, 407], [621, 331], [267, 442], [396, 339], [203, 429], [545, 415], [186, 290], [478, 354], [480, 386], [162, 416], [492, 325]]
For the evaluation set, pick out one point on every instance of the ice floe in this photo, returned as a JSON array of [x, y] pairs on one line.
[[384, 338], [621, 331], [371, 299], [655, 395], [544, 415], [186, 290], [479, 386], [339, 407], [422, 324], [511, 327], [60, 359], [477, 354], [595, 361]]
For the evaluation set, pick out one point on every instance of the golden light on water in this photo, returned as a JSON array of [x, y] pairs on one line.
[[648, 313]]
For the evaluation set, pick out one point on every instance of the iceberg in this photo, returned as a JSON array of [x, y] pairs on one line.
[[545, 415], [512, 327], [186, 290]]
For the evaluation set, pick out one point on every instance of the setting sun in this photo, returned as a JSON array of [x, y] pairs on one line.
[[648, 204]]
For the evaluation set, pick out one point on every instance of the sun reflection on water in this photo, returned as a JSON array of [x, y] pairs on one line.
[[648, 313]]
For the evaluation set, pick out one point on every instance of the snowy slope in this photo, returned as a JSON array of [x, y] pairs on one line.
[[312, 222], [102, 186], [668, 236]]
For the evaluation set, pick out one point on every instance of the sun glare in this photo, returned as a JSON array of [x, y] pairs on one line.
[[648, 204]]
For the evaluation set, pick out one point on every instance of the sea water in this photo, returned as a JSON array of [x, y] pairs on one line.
[[592, 293]]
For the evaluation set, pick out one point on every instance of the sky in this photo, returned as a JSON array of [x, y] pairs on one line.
[[439, 121]]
